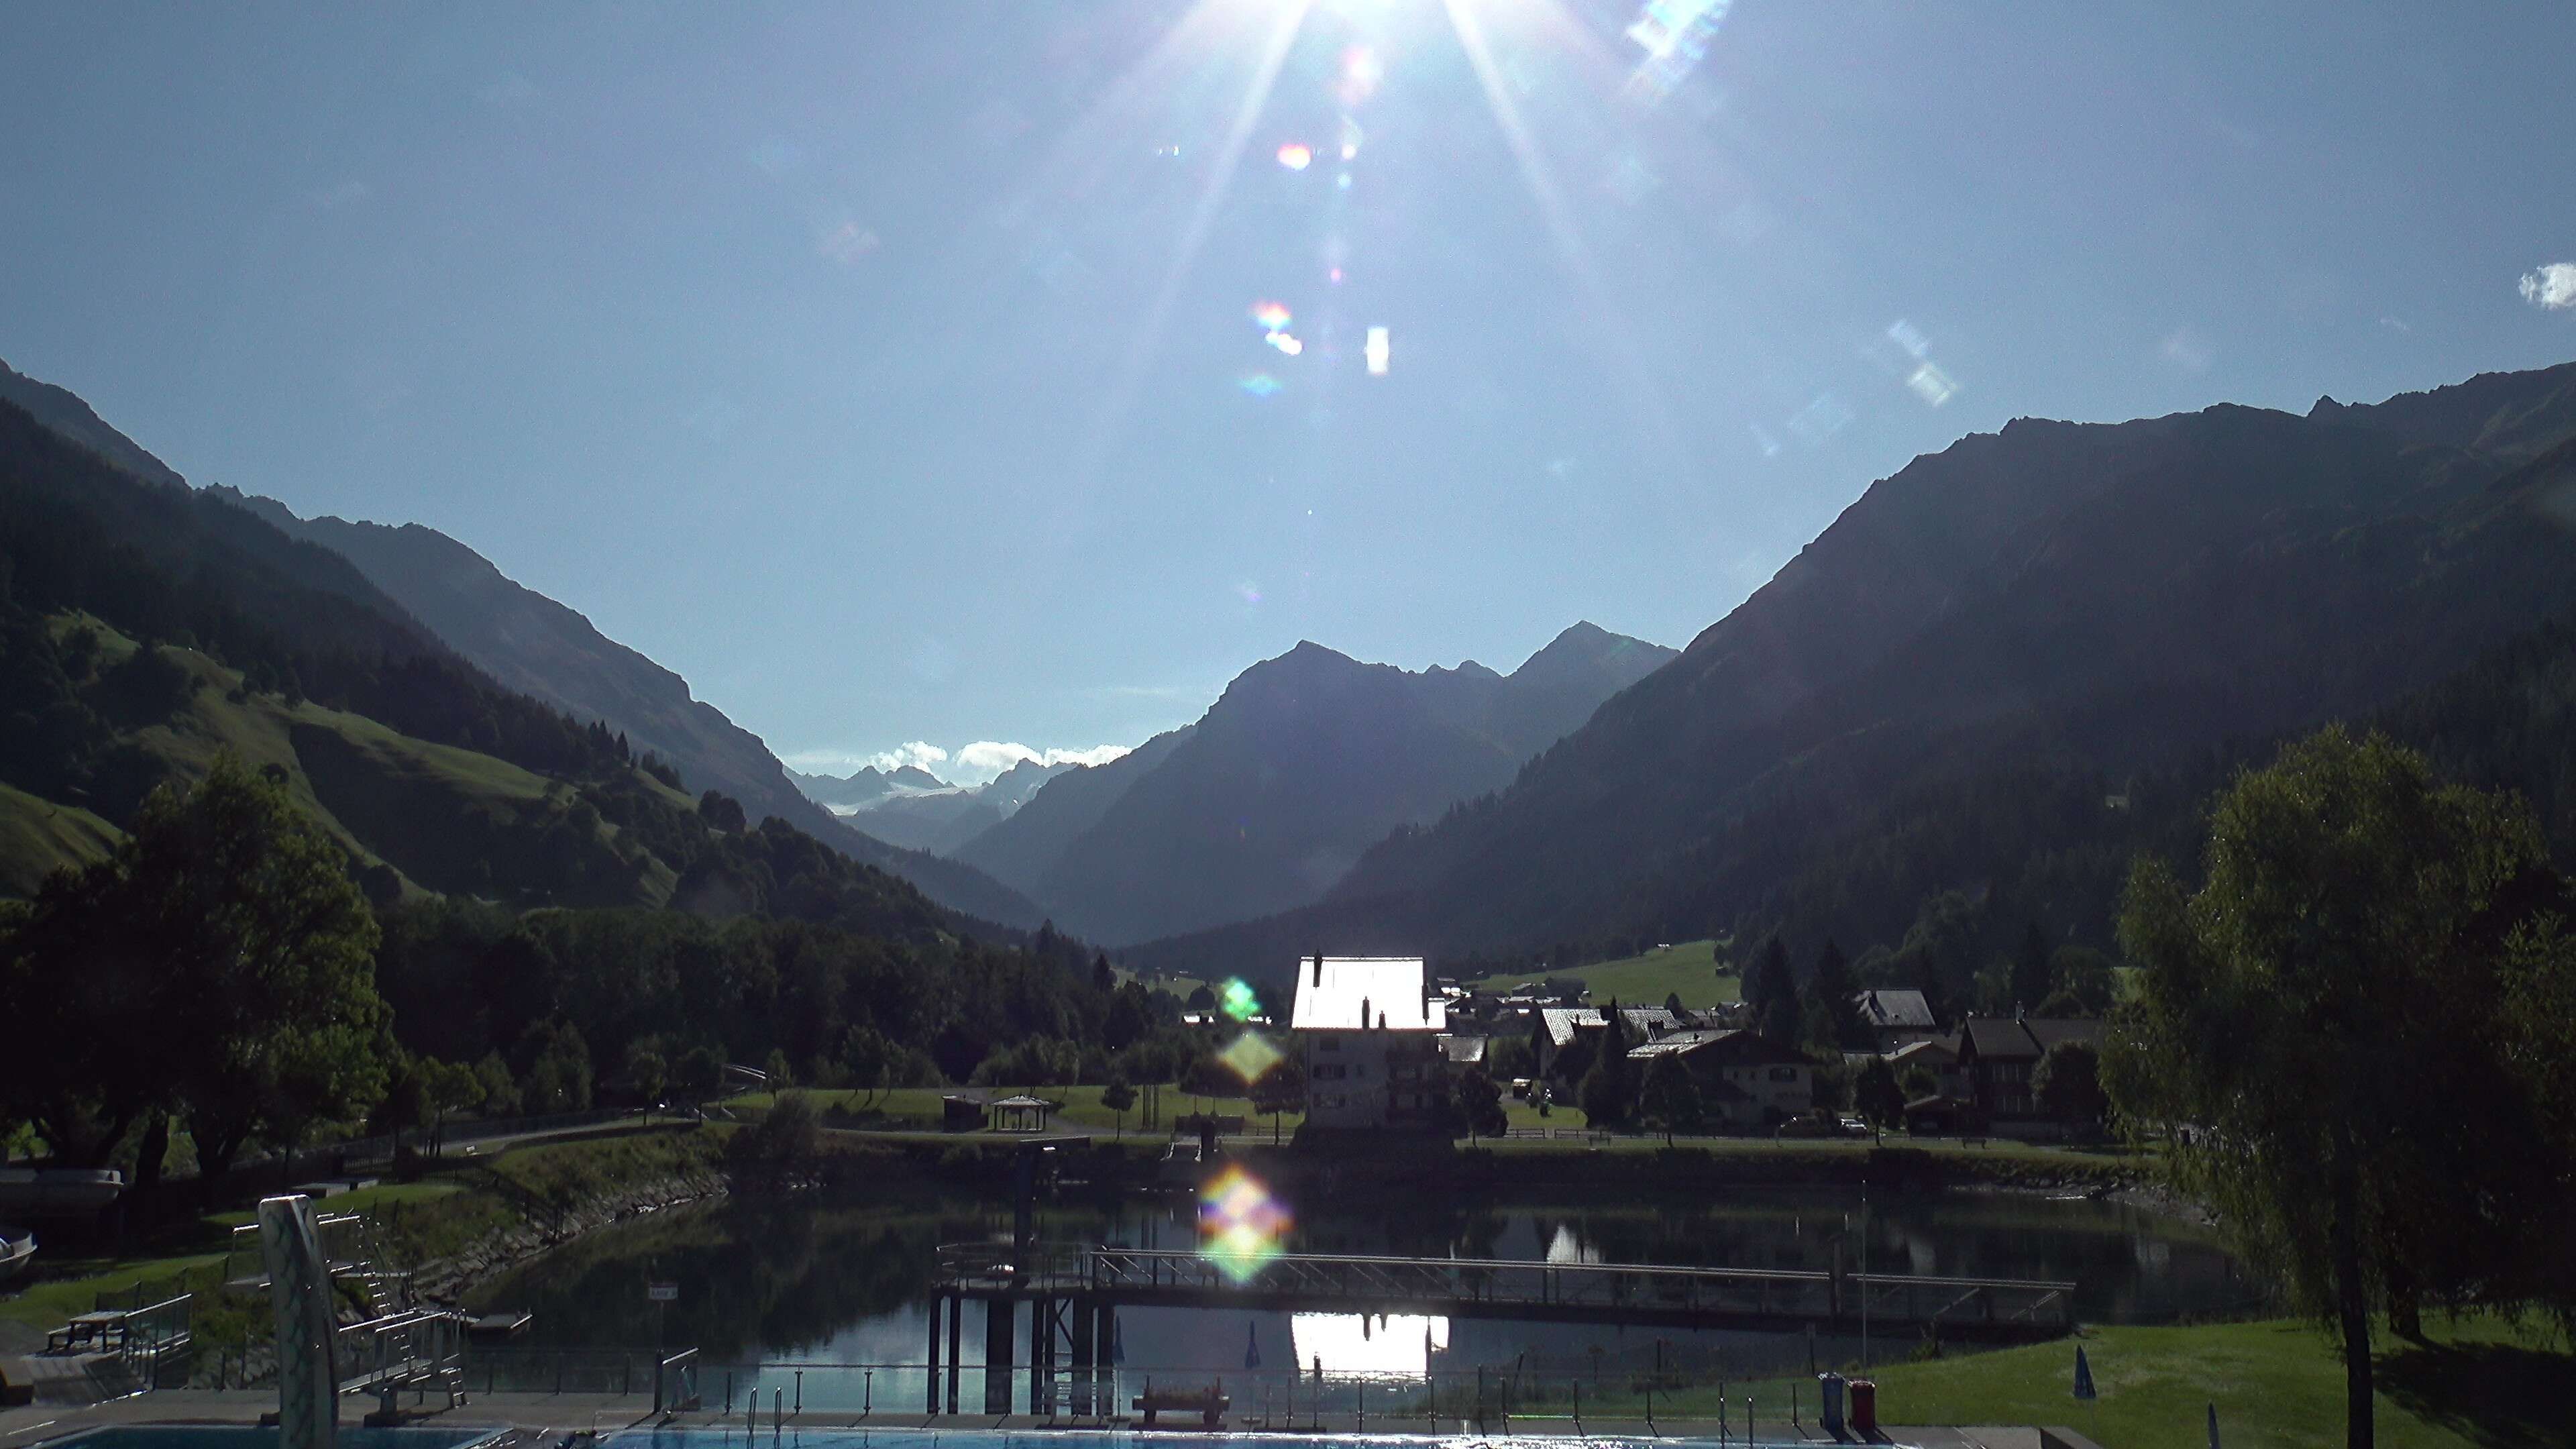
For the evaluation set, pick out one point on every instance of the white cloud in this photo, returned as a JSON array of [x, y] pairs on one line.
[[911, 752], [2552, 287], [972, 764], [987, 759]]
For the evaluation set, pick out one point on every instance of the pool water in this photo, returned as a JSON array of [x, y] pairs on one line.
[[1127, 1440], [253, 1436]]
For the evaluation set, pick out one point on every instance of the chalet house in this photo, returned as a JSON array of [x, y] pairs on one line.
[[1998, 1056], [1370, 1039], [1746, 1080], [1938, 1055], [1895, 1018], [1559, 1027]]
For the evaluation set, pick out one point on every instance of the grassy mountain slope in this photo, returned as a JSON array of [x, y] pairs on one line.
[[2083, 602], [145, 626], [538, 647], [435, 815], [38, 836], [421, 600]]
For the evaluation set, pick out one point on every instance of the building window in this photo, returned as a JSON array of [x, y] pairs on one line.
[[1784, 1074]]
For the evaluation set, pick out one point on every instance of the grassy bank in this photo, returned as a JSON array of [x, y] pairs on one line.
[[2475, 1385], [460, 1202]]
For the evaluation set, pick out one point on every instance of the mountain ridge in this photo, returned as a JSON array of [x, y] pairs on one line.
[[448, 600], [1302, 761], [2111, 592]]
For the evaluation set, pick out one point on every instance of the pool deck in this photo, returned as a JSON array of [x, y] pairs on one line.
[[542, 1421]]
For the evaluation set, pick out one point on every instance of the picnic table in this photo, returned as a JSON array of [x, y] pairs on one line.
[[1208, 1403], [100, 1331]]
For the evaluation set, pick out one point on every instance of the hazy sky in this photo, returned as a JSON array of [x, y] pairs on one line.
[[898, 371]]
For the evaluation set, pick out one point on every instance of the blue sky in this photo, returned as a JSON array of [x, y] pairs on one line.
[[892, 370]]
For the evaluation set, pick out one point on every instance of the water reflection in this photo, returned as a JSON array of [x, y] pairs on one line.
[[810, 1279], [1369, 1343]]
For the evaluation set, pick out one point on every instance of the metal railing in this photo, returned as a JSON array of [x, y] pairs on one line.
[[407, 1350], [1375, 1281], [1492, 1400]]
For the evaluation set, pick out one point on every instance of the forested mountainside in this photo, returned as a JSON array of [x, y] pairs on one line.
[[544, 897], [528, 643], [146, 627], [1303, 762], [2080, 604], [538, 647]]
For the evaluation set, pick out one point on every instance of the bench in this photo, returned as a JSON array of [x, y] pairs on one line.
[[1207, 1403]]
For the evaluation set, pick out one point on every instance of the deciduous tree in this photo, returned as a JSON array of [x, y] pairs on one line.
[[1670, 1098], [2316, 1036], [1876, 1095]]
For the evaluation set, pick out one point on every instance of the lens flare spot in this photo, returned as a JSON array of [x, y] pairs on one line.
[[1259, 384], [1932, 385], [1240, 1224], [1377, 351], [1674, 35], [1238, 1000], [1250, 1056], [1296, 156], [1271, 316], [1362, 72], [1285, 343], [1351, 138]]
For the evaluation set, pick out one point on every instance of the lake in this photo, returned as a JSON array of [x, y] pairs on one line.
[[817, 1280]]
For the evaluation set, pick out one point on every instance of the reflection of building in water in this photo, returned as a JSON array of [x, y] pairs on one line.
[[1368, 1343], [1565, 1247]]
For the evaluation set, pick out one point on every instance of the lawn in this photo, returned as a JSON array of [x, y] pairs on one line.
[[917, 1108], [2275, 1383], [1687, 969]]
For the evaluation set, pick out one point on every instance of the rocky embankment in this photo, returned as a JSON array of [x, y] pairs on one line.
[[539, 1230]]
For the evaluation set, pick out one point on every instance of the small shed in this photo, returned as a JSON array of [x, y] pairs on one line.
[[968, 1111], [1021, 1114]]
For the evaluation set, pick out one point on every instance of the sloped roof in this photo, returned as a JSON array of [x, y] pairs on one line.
[[1732, 1045], [2007, 1038], [1464, 1051], [1897, 1010], [1563, 1021], [1350, 993], [1929, 1050]]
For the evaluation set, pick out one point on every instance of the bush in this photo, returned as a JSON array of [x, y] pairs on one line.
[[790, 1131]]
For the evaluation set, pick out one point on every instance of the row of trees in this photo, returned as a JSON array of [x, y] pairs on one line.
[[222, 972]]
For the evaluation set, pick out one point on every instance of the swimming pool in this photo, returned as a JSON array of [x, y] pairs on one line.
[[254, 1436], [793, 1438]]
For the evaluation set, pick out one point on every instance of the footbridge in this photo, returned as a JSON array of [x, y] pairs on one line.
[[1074, 1291]]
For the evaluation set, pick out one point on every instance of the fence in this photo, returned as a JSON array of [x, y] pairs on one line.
[[1485, 1400]]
